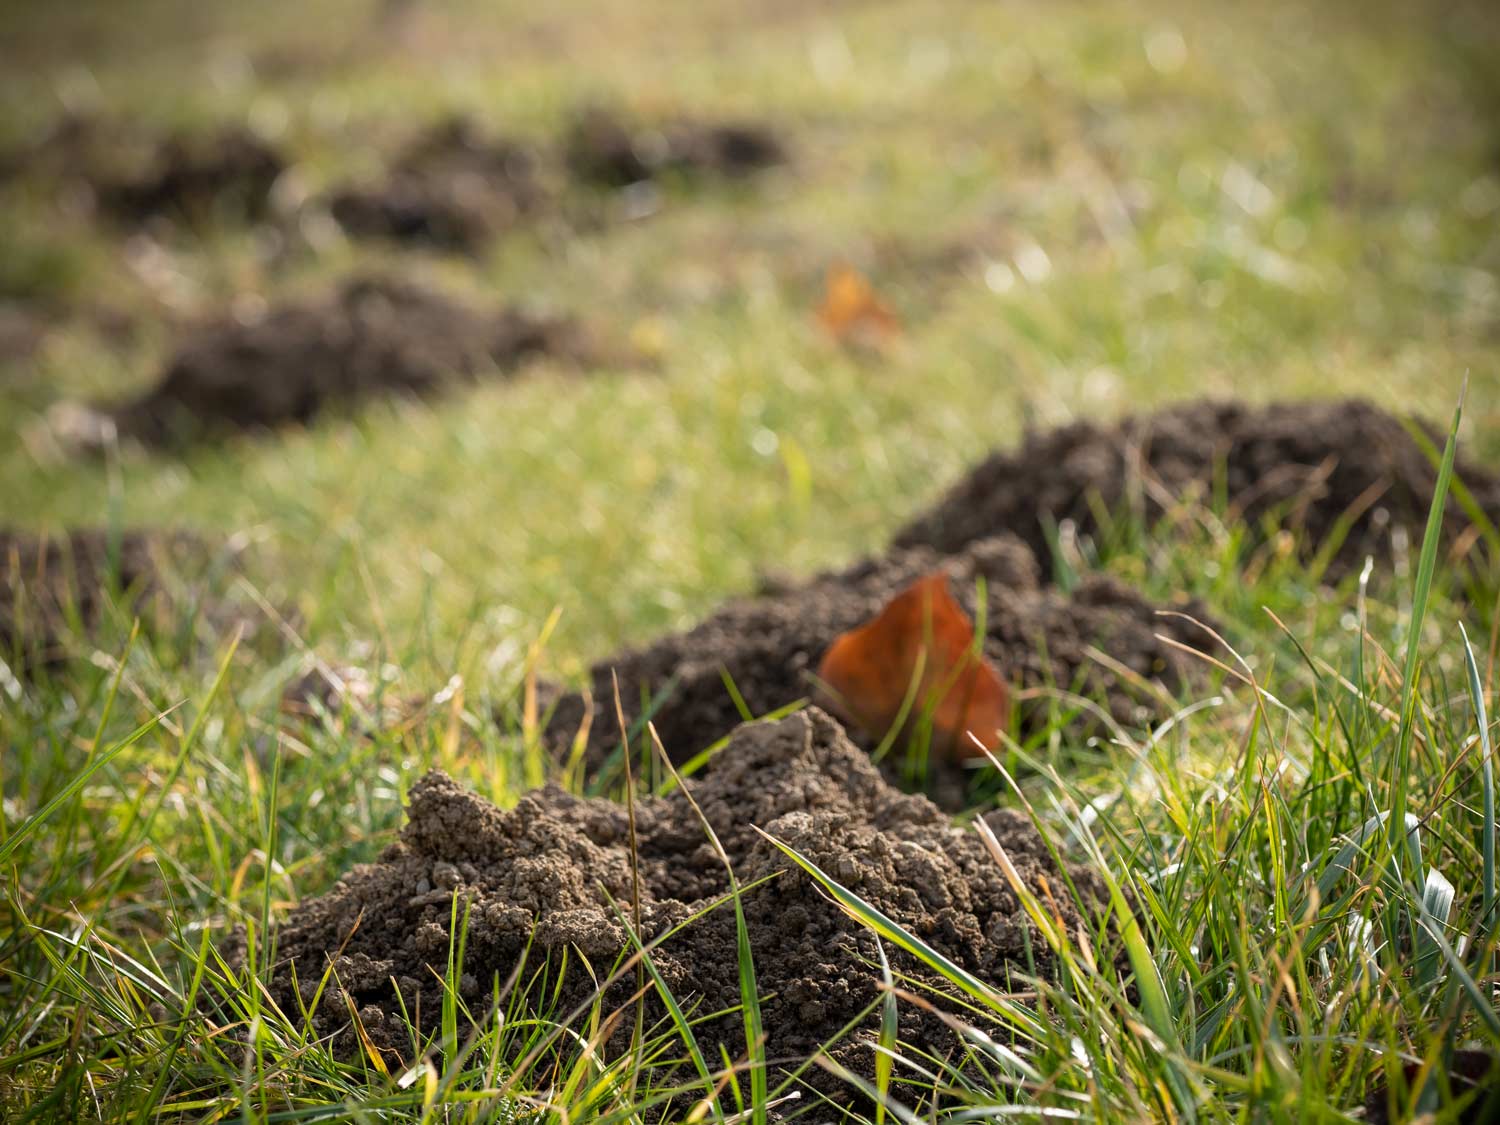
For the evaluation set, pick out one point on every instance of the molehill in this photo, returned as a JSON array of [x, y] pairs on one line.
[[372, 336], [770, 646], [537, 881], [1308, 466]]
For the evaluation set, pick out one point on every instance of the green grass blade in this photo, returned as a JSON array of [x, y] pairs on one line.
[[1487, 777], [69, 791], [1018, 1017], [1401, 760]]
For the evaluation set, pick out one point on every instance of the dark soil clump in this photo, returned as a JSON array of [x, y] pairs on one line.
[[230, 172], [771, 645], [373, 336], [452, 188], [51, 587], [543, 875], [1307, 465], [608, 151]]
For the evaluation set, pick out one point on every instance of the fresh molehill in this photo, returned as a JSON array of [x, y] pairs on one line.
[[551, 879], [230, 171], [769, 647], [132, 175], [1346, 475], [453, 187], [609, 150], [372, 336]]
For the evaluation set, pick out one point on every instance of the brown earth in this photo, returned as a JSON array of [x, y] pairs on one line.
[[770, 645], [372, 336], [1306, 465], [537, 882], [229, 172], [53, 586], [118, 168], [78, 149], [609, 150], [453, 187]]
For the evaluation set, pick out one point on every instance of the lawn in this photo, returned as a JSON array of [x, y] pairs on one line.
[[1075, 210]]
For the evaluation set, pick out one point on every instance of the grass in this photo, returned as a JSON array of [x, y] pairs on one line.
[[1076, 210]]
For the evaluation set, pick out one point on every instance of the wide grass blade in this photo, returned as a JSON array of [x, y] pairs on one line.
[[1437, 903], [1400, 775]]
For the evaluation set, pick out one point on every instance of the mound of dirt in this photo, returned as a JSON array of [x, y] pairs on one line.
[[76, 148], [53, 586], [538, 881], [372, 336], [453, 188], [604, 149], [229, 172], [1307, 465], [771, 644]]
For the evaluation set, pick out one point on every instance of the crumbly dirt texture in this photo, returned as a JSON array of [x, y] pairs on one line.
[[1307, 463], [51, 583], [372, 336], [608, 150], [770, 645], [544, 873], [453, 188]]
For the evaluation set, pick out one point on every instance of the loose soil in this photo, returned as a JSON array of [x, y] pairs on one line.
[[132, 176], [373, 336], [54, 588], [452, 188], [1305, 465], [770, 646], [543, 875], [226, 173], [608, 150]]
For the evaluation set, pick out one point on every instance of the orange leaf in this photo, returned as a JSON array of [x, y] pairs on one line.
[[871, 669], [851, 308]]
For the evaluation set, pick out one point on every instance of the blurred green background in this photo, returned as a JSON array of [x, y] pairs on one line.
[[1075, 209]]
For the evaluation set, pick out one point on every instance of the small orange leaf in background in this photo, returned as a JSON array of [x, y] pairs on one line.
[[853, 312], [870, 670]]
